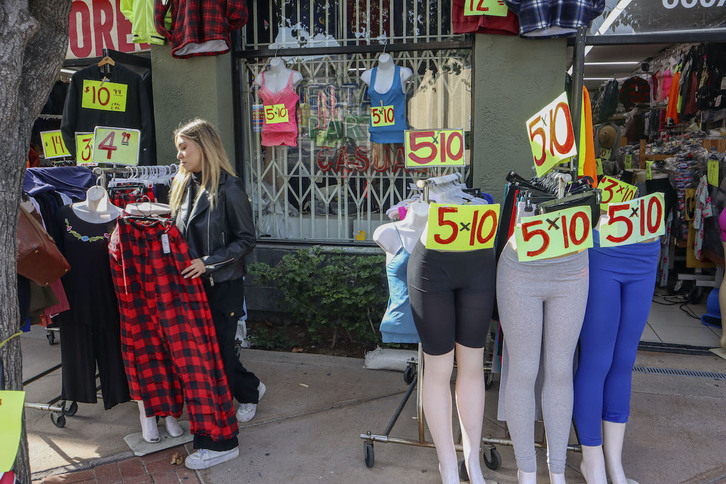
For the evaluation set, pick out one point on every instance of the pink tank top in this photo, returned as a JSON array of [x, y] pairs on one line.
[[279, 125]]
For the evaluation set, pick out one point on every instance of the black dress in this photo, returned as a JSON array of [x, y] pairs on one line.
[[90, 332]]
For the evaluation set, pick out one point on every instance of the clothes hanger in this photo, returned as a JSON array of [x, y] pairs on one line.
[[106, 63]]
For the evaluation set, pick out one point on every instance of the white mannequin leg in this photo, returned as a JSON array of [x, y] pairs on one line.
[[593, 464], [526, 477], [470, 406], [437, 410], [149, 430], [172, 426], [613, 436], [557, 478]]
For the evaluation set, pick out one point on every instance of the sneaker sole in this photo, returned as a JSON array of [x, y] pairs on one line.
[[212, 463]]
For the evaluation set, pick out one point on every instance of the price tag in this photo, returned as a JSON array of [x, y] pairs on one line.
[[615, 191], [713, 172], [382, 116], [605, 153], [551, 135], [634, 221], [11, 412], [84, 148], [105, 96], [495, 8], [116, 145], [628, 162], [462, 227], [53, 146], [598, 166], [277, 113], [554, 234], [649, 170], [434, 147]]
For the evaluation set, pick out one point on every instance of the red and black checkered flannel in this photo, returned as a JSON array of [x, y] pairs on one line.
[[199, 22], [168, 339]]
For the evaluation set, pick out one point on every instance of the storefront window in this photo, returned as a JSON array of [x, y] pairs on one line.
[[336, 184]]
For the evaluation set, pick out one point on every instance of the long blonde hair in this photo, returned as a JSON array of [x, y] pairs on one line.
[[214, 160]]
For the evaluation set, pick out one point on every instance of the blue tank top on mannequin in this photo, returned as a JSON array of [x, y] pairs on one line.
[[393, 97], [397, 325]]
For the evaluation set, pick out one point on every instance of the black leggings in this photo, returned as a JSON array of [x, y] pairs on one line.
[[451, 295]]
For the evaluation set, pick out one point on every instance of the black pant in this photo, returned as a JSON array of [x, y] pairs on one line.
[[226, 301]]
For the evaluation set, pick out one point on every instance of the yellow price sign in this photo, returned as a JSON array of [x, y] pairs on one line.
[[104, 96], [628, 162], [634, 221], [598, 166], [382, 116], [615, 191], [554, 234], [275, 114], [11, 419], [53, 145], [434, 147], [649, 170], [462, 227], [84, 148], [712, 176], [551, 136], [495, 8], [116, 145]]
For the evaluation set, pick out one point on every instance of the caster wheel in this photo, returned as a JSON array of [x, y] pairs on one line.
[[59, 422], [408, 374], [369, 455], [492, 459], [72, 409], [488, 380], [51, 338], [463, 474]]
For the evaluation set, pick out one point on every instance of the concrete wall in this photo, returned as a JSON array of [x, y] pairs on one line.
[[513, 79], [188, 88]]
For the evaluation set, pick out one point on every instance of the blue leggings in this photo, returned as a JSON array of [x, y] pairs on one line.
[[622, 281]]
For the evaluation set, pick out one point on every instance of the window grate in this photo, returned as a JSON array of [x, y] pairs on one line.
[[669, 371]]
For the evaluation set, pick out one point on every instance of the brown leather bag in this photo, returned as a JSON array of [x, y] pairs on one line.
[[38, 257]]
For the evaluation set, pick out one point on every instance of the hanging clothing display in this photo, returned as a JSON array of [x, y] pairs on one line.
[[397, 325], [482, 24], [90, 328], [556, 18], [82, 115], [396, 97], [282, 132], [141, 15], [167, 336]]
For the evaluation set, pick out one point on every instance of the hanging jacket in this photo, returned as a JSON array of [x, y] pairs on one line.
[[200, 27], [554, 18], [141, 15]]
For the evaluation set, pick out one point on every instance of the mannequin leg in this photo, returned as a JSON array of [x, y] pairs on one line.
[[593, 464], [437, 409], [614, 435], [722, 304], [470, 406], [172, 426], [149, 430]]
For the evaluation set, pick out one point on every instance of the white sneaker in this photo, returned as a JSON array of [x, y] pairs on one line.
[[247, 411], [205, 458]]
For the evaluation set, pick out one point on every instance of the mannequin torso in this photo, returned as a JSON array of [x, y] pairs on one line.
[[97, 208], [390, 236], [276, 77], [385, 75]]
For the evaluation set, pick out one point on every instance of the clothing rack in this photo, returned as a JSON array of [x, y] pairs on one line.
[[140, 173]]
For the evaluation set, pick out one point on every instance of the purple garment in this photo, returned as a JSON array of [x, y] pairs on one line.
[[69, 180]]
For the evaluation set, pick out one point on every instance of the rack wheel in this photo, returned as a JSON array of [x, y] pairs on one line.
[[71, 410], [408, 374], [463, 474], [51, 337], [488, 380], [492, 459], [369, 455], [59, 422]]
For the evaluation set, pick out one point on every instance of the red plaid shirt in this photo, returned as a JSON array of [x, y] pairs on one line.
[[200, 27]]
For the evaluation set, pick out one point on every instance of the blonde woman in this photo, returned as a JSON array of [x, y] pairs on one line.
[[213, 214]]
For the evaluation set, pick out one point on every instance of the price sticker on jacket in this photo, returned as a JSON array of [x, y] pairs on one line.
[[382, 116], [551, 136], [275, 114], [462, 227], [598, 166], [494, 8], [11, 418], [104, 96], [628, 162], [649, 170], [53, 145], [634, 221], [615, 191], [84, 148], [116, 145], [712, 173], [434, 147], [554, 234]]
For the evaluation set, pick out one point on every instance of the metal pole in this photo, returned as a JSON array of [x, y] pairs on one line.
[[578, 72]]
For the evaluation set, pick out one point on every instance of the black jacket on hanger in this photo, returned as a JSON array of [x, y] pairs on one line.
[[137, 115]]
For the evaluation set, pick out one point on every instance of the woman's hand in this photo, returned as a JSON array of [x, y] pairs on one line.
[[196, 268]]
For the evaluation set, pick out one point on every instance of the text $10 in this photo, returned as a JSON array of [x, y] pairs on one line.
[[462, 227], [554, 234]]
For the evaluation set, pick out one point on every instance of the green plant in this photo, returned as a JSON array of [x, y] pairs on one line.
[[331, 293], [266, 338]]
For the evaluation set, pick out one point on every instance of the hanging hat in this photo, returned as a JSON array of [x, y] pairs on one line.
[[713, 310], [607, 136]]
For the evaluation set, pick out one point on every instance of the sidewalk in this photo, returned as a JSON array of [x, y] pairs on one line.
[[308, 426]]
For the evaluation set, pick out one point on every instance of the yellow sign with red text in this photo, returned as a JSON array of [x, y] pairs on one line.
[[634, 221], [382, 116], [554, 234], [53, 145], [551, 135], [84, 148], [104, 96], [462, 227], [275, 114], [116, 145], [434, 147], [495, 8], [712, 173], [615, 191]]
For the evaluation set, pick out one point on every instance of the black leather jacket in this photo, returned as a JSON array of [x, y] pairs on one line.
[[222, 236]]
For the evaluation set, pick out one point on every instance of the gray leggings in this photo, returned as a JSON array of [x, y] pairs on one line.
[[541, 306]]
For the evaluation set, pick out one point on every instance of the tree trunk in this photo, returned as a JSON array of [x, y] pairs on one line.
[[35, 39]]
